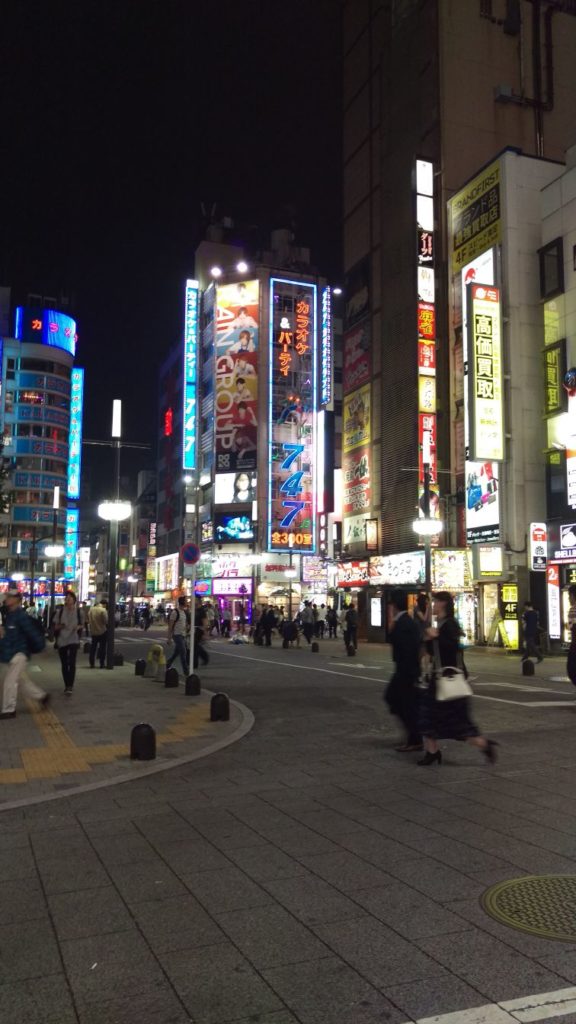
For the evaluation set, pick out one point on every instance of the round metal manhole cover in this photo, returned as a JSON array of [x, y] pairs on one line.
[[542, 905]]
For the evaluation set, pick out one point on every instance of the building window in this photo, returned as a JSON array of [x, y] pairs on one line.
[[551, 258]]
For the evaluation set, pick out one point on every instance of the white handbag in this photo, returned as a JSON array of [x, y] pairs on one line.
[[451, 682]]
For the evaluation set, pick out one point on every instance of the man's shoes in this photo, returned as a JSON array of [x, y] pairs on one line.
[[8, 714], [44, 702]]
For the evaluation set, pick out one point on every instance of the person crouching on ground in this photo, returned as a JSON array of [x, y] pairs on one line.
[[401, 693], [19, 638]]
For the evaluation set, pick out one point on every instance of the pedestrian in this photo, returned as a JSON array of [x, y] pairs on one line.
[[308, 621], [401, 694], [178, 630], [268, 624], [146, 618], [85, 611], [351, 632], [332, 623], [242, 619], [321, 621], [200, 652], [226, 621], [447, 719], [20, 636], [68, 626], [98, 626], [531, 631], [571, 662]]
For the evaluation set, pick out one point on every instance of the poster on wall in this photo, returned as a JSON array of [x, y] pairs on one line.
[[236, 369], [356, 359], [356, 481], [482, 502], [356, 419], [292, 412]]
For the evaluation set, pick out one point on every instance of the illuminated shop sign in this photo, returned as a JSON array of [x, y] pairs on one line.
[[352, 574], [356, 492], [71, 542], [326, 369], [482, 502], [426, 321], [189, 440], [356, 358], [46, 327], [555, 395], [476, 217], [489, 560], [398, 570], [236, 384], [167, 572], [485, 374], [232, 529], [356, 411], [232, 587], [426, 332], [451, 569], [553, 601], [538, 546], [75, 437], [292, 489]]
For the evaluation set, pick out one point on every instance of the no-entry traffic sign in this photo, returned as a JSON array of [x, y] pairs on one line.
[[190, 553]]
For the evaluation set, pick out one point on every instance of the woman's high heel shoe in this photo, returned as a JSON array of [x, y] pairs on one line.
[[489, 751], [431, 758]]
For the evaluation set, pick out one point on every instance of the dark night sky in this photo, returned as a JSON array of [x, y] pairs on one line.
[[122, 116]]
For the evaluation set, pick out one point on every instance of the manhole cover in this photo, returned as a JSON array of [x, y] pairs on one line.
[[542, 905]]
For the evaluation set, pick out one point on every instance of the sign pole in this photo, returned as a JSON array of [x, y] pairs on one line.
[[192, 623]]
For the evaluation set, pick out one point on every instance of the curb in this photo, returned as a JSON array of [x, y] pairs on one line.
[[243, 729]]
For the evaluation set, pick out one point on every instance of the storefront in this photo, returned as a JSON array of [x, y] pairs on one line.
[[498, 605], [560, 575], [276, 585], [352, 585], [386, 574]]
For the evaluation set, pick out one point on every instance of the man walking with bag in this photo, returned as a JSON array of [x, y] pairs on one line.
[[19, 638], [401, 693]]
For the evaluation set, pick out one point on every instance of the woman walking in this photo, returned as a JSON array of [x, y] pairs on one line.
[[68, 627], [447, 719]]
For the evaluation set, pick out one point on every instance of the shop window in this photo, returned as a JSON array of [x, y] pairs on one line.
[[551, 258]]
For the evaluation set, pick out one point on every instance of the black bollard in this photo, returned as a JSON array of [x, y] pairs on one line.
[[171, 679], [351, 650], [315, 647], [192, 686], [87, 647], [527, 667], [139, 666], [142, 743], [219, 708]]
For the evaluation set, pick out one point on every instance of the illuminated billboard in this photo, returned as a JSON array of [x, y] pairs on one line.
[[356, 419], [356, 481], [356, 359], [292, 482], [234, 488], [486, 420], [236, 387], [233, 529], [482, 502], [75, 436], [326, 367], [46, 327], [71, 542], [476, 217], [189, 440]]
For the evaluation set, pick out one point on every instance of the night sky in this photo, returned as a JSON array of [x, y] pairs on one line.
[[119, 119]]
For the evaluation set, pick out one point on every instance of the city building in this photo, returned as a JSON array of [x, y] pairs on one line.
[[246, 430], [433, 92], [41, 420]]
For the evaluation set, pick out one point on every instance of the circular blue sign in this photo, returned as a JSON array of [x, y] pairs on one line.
[[190, 553]]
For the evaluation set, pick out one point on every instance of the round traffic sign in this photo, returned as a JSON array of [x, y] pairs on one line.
[[190, 553]]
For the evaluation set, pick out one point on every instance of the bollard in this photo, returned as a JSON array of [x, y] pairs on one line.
[[315, 647], [192, 686], [351, 651], [171, 679], [219, 708], [527, 667], [142, 743], [118, 659], [139, 666], [87, 647]]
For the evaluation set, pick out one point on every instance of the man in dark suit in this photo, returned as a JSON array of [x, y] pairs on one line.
[[401, 693]]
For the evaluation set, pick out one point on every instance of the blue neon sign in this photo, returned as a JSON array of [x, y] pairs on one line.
[[75, 439], [326, 349], [46, 327], [71, 542], [190, 389]]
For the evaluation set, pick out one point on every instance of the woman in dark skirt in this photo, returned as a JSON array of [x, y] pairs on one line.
[[450, 719]]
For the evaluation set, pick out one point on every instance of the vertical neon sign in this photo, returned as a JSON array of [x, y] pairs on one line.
[[75, 440], [190, 389], [326, 370], [292, 409], [71, 542], [426, 324]]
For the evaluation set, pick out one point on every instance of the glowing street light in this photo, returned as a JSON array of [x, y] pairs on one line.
[[216, 272]]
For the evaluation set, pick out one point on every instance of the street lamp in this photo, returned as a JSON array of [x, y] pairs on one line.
[[54, 545], [427, 527], [114, 512]]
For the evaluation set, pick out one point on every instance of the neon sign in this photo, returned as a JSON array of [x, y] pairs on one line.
[[326, 349], [485, 374], [168, 422], [292, 487], [189, 439], [46, 327], [75, 439], [71, 542]]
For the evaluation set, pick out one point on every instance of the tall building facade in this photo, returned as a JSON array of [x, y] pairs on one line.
[[41, 415], [433, 92]]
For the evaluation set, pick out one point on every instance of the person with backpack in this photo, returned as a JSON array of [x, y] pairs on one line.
[[68, 627], [178, 629], [20, 636]]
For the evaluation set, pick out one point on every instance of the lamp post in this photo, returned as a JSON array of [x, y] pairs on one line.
[[55, 508], [290, 574], [114, 512], [425, 526]]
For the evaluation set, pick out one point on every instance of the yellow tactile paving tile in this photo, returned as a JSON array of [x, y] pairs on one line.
[[61, 756]]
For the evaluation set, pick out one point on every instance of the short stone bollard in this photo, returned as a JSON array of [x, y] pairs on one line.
[[142, 743], [219, 708], [171, 679], [351, 651], [139, 667], [527, 667], [192, 686], [315, 647]]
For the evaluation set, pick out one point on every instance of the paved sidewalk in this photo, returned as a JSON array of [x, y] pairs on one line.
[[84, 740], [305, 875]]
